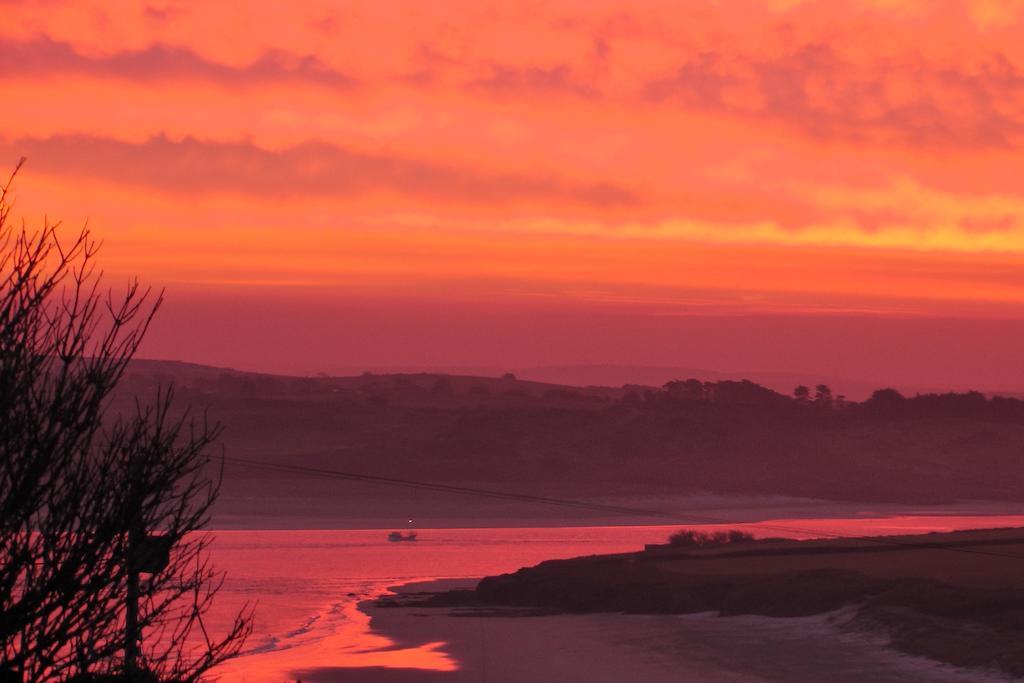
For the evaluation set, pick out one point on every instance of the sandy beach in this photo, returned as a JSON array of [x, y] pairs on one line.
[[508, 646]]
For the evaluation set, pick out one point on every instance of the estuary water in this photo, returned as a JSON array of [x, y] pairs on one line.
[[307, 586]]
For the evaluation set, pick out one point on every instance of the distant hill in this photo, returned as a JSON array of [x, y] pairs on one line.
[[143, 372], [594, 375], [728, 437]]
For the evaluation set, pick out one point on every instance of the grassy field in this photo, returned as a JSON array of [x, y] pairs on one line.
[[988, 558]]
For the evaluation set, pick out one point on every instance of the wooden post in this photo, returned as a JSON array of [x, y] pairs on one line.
[[146, 554], [134, 528], [131, 613]]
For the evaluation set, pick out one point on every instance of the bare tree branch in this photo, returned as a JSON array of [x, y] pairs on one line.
[[79, 487]]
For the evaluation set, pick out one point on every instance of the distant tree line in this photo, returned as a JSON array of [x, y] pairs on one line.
[[383, 390], [882, 403]]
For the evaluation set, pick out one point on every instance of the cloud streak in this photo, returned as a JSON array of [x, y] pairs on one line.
[[312, 169], [532, 80], [158, 62]]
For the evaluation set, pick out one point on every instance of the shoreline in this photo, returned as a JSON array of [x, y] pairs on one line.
[[361, 638], [504, 645], [955, 597]]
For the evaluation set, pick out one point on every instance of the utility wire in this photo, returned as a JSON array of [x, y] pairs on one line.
[[584, 505]]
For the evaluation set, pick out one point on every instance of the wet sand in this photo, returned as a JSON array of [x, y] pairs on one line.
[[506, 646]]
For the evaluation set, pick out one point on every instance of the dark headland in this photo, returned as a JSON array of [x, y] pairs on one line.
[[954, 597]]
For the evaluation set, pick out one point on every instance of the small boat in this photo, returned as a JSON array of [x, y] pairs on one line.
[[396, 536]]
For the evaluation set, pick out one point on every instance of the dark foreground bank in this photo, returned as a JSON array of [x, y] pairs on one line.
[[956, 598]]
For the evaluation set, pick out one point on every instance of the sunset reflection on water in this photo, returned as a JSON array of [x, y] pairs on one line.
[[307, 585]]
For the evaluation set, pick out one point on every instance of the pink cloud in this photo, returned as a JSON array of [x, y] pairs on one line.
[[813, 88], [314, 168], [510, 80], [164, 62]]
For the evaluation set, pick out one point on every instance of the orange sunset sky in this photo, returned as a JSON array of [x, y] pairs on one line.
[[832, 187]]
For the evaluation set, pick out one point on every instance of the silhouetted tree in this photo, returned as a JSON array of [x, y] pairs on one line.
[[823, 395], [885, 401], [692, 538], [89, 501], [697, 388], [689, 390], [802, 394]]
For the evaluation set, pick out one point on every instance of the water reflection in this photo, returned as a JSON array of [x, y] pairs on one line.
[[308, 584]]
